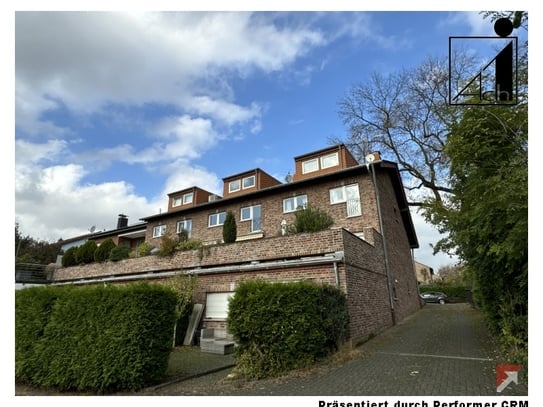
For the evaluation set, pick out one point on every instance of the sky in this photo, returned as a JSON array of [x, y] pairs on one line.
[[114, 110]]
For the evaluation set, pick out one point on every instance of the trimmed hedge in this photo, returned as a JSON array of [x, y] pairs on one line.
[[97, 339], [284, 326]]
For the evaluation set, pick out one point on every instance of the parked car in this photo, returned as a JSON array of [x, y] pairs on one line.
[[434, 296]]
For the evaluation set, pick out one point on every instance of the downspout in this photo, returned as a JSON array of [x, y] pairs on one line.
[[385, 251], [336, 274]]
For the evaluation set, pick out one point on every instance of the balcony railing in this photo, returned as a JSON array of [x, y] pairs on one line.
[[28, 273]]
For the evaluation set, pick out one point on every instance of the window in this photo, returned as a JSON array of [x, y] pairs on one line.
[[234, 186], [159, 230], [249, 182], [176, 201], [337, 195], [349, 194], [252, 213], [294, 203], [185, 225], [187, 198], [310, 166], [217, 305], [217, 219], [330, 160]]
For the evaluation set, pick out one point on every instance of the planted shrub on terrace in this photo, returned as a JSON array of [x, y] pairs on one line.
[[311, 219]]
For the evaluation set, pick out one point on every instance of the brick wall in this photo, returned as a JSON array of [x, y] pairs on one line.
[[272, 210]]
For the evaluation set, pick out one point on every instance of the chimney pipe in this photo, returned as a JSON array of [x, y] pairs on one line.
[[122, 222]]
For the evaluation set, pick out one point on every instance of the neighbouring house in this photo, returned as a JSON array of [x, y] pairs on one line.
[[367, 252], [124, 235], [425, 274]]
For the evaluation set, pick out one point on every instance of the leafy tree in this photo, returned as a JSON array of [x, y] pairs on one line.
[[30, 250], [85, 253], [229, 231], [102, 252], [486, 217], [68, 259]]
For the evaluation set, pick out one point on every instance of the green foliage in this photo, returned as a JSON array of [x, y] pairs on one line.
[[68, 258], [102, 252], [280, 327], [486, 219], [229, 230], [144, 249], [30, 250], [168, 246], [96, 339], [311, 219], [183, 286], [190, 244], [120, 252], [85, 252]]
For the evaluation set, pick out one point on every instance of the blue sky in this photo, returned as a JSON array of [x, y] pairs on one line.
[[115, 110]]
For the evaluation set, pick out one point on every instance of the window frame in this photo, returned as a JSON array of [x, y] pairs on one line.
[[160, 228], [231, 189], [188, 198], [218, 215], [253, 178], [184, 222], [177, 201], [311, 161], [295, 198], [252, 217], [335, 156]]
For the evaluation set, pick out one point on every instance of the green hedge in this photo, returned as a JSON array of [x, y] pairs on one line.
[[280, 327], [96, 339], [101, 254]]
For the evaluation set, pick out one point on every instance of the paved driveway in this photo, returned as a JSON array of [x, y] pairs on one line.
[[441, 350]]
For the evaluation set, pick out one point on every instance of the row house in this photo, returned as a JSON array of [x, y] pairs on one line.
[[367, 252]]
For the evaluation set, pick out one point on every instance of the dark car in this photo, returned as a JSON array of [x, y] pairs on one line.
[[434, 296]]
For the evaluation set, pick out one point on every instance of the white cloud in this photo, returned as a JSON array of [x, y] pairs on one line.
[[428, 235], [52, 202]]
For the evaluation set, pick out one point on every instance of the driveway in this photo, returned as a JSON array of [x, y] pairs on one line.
[[442, 350]]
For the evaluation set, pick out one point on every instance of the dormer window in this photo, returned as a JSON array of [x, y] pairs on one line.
[[234, 186], [310, 166], [244, 183], [187, 198], [182, 199], [330, 160], [249, 182]]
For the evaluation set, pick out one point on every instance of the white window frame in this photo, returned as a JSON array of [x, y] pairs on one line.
[[159, 230], [256, 223], [177, 201], [253, 182], [296, 205], [188, 197], [325, 158], [185, 223], [343, 198], [311, 165], [234, 186], [217, 305], [218, 219]]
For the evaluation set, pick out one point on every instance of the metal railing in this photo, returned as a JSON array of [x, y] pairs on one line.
[[29, 273]]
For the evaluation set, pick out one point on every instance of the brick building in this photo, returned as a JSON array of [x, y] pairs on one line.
[[367, 252]]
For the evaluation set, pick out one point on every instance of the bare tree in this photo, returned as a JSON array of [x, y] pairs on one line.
[[406, 116]]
